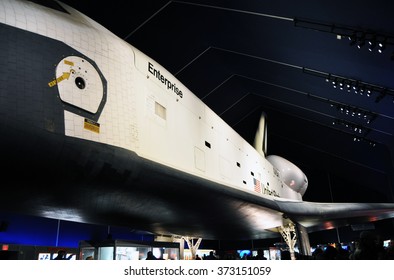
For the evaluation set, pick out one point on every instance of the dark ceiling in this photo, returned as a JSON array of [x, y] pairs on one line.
[[245, 57]]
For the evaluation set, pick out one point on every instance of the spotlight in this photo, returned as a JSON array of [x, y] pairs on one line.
[[371, 44], [373, 144], [381, 46], [356, 87], [353, 39], [334, 83], [341, 85], [362, 89], [360, 43]]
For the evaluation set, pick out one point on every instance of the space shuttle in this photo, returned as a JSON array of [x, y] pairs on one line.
[[95, 131]]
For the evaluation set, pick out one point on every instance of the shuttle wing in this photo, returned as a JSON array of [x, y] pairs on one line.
[[322, 216]]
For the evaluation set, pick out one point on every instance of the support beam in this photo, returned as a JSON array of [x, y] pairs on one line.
[[289, 235], [303, 240], [193, 247]]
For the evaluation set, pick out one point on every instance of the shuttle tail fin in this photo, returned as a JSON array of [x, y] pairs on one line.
[[260, 139]]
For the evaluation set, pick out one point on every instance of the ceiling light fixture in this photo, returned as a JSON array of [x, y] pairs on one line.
[[351, 127], [354, 112], [353, 38], [372, 43], [356, 36], [362, 139], [358, 87], [355, 131], [382, 45]]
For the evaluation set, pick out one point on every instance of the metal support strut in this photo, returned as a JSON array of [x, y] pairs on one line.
[[288, 233], [193, 247]]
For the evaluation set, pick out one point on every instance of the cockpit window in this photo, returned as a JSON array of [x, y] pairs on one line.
[[50, 4]]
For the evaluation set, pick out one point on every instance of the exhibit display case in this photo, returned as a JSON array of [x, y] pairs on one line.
[[127, 250]]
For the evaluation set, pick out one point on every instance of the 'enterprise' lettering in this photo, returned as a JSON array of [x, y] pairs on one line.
[[268, 191], [161, 78]]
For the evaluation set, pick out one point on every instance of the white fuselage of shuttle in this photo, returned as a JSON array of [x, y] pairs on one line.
[[147, 109]]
